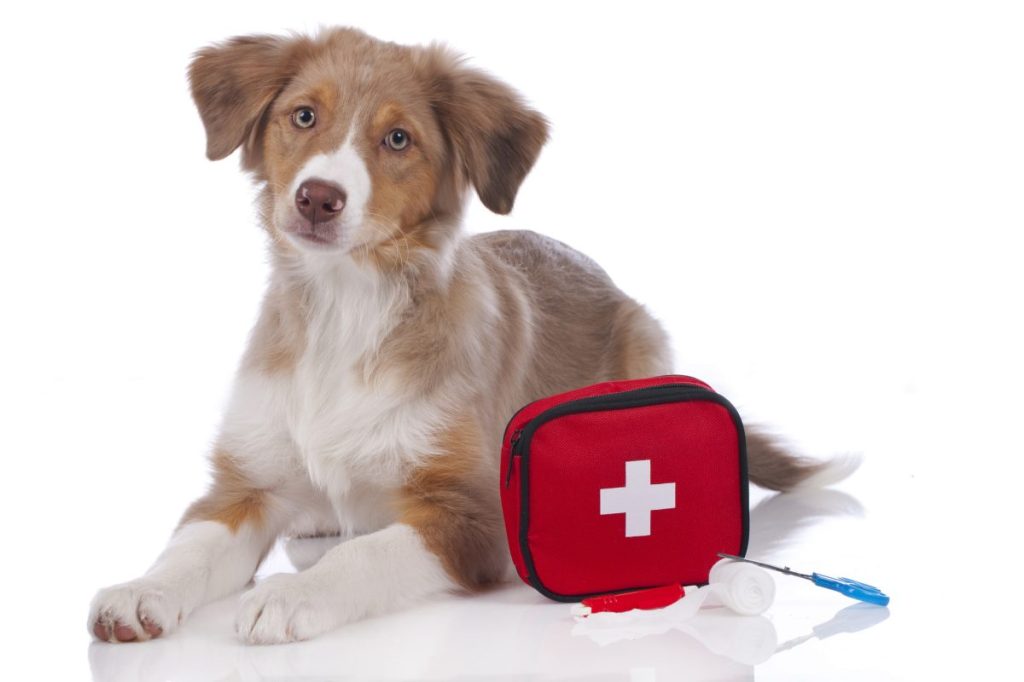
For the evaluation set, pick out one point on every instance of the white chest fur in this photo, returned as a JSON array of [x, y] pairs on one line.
[[325, 421], [357, 437]]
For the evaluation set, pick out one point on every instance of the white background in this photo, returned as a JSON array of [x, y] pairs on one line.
[[821, 201]]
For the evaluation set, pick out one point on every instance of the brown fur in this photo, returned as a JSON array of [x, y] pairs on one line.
[[497, 136], [771, 464], [279, 335], [233, 85], [637, 345], [450, 503], [231, 500]]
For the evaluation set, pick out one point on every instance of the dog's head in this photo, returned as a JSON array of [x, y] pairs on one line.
[[363, 144]]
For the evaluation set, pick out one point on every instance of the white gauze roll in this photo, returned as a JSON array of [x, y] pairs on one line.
[[744, 588]]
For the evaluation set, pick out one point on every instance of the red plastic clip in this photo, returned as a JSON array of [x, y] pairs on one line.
[[650, 598]]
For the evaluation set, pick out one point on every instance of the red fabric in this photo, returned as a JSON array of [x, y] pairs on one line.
[[576, 550]]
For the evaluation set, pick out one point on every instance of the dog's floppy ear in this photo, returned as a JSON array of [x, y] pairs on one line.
[[233, 84], [496, 137]]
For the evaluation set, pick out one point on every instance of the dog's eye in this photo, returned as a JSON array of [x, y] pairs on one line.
[[397, 139], [304, 117]]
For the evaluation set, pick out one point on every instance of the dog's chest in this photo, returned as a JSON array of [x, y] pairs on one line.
[[358, 438]]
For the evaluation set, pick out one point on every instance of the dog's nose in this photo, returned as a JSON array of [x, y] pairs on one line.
[[319, 201]]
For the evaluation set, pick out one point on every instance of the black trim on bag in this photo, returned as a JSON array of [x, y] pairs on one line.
[[641, 397]]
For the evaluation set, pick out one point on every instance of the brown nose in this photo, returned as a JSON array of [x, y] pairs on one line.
[[319, 201]]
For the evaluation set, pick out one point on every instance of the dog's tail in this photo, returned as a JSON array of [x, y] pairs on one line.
[[771, 464]]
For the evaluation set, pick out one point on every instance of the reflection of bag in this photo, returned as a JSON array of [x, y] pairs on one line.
[[624, 485]]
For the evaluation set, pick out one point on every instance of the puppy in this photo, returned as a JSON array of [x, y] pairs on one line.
[[391, 349]]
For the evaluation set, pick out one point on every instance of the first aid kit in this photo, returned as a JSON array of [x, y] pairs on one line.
[[624, 485]]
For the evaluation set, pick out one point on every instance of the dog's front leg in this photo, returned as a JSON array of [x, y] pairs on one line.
[[213, 553], [375, 573], [448, 535]]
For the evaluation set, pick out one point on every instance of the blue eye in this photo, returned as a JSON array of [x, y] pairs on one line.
[[304, 117], [397, 139]]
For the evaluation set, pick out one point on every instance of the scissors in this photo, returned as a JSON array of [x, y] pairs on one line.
[[851, 588]]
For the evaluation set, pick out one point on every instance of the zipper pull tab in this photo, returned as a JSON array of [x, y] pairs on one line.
[[513, 453]]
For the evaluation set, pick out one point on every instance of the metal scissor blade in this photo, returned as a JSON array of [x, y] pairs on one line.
[[785, 570]]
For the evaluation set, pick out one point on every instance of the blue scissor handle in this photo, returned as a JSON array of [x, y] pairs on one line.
[[851, 588]]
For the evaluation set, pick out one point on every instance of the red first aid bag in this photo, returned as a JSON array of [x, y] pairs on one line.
[[624, 485]]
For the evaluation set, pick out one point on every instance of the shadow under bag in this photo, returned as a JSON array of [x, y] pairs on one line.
[[624, 485]]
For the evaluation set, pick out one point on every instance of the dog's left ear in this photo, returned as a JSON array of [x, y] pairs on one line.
[[496, 137], [233, 85]]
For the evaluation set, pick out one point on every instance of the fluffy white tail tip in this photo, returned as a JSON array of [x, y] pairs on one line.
[[831, 472]]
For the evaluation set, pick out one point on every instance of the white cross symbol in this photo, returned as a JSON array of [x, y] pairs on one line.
[[638, 498]]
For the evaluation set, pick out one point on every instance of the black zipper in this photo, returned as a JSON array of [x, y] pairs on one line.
[[513, 453], [640, 397], [608, 401]]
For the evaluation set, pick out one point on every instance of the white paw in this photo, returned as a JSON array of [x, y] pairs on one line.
[[136, 610], [287, 607]]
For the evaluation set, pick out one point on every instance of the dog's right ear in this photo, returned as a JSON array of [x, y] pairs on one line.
[[496, 136], [233, 85]]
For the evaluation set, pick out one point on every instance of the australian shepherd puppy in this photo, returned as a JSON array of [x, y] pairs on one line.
[[391, 349]]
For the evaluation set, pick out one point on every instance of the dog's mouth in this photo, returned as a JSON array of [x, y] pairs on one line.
[[318, 234], [316, 238]]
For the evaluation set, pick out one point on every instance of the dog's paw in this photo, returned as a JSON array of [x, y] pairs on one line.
[[288, 607], [138, 610]]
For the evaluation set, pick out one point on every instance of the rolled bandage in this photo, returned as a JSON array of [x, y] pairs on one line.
[[744, 588]]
